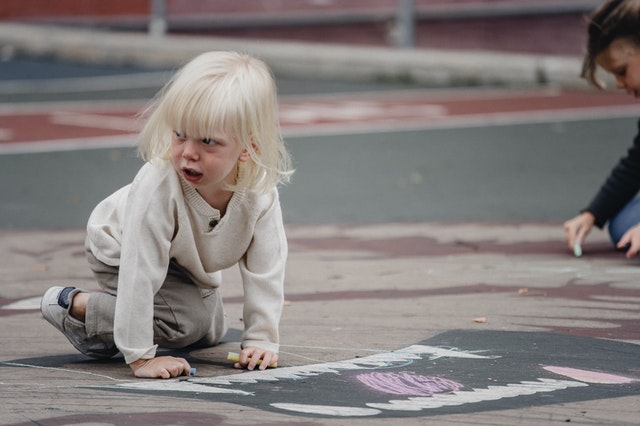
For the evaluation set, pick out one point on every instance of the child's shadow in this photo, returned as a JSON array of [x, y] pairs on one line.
[[60, 361]]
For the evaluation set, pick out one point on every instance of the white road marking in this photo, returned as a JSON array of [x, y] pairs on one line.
[[96, 121], [6, 134], [24, 304], [317, 115], [100, 142]]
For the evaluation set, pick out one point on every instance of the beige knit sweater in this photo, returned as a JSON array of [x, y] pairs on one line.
[[159, 217]]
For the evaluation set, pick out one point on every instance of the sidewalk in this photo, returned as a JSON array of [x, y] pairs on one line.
[[527, 334], [460, 324]]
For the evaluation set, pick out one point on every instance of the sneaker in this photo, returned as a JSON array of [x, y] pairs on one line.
[[55, 309]]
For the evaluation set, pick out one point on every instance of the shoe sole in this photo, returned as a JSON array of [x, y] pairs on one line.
[[45, 310], [44, 307]]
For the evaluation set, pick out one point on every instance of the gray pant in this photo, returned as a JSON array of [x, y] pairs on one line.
[[183, 314]]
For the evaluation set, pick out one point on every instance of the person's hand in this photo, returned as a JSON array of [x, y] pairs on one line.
[[631, 241], [577, 229], [163, 367], [252, 357]]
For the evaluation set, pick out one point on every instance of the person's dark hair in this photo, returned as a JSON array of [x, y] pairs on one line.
[[613, 20]]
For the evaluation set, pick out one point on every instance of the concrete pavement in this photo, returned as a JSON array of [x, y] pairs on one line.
[[464, 324]]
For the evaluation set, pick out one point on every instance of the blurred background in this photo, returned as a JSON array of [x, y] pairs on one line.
[[394, 110], [535, 26]]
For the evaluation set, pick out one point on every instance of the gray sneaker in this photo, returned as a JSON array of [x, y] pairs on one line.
[[55, 309]]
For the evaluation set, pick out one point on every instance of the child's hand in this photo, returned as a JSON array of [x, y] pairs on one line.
[[251, 357], [163, 367]]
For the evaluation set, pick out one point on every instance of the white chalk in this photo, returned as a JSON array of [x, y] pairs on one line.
[[192, 372], [577, 249], [235, 357]]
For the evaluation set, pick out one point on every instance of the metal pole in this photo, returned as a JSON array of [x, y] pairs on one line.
[[158, 19], [405, 24]]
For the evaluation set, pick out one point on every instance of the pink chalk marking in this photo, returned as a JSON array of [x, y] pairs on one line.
[[589, 376], [408, 384]]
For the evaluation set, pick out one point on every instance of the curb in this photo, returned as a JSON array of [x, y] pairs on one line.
[[428, 67]]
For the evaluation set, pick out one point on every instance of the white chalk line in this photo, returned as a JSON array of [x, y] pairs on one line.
[[66, 370], [490, 393]]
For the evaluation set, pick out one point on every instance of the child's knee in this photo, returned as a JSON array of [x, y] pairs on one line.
[[187, 331]]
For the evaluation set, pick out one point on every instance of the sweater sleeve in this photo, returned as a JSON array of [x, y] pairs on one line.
[[619, 188], [262, 270], [147, 231]]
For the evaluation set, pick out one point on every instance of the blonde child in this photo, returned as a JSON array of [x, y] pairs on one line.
[[614, 45], [206, 199]]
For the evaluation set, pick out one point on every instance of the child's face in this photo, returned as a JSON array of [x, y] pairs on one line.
[[622, 59], [207, 164]]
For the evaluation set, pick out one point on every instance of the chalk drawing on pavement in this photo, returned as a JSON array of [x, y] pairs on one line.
[[454, 372], [589, 376]]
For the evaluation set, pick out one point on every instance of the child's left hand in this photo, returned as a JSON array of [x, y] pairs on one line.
[[252, 357]]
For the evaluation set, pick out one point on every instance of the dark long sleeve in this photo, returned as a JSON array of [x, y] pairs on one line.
[[620, 187]]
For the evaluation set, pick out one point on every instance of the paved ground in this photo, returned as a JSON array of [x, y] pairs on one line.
[[453, 324]]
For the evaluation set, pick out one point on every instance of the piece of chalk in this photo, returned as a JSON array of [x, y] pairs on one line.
[[192, 372], [577, 250], [235, 357]]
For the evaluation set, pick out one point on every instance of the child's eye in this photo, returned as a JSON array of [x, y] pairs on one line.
[[209, 141], [180, 135]]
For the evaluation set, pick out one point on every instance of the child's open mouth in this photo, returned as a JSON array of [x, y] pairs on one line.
[[191, 175]]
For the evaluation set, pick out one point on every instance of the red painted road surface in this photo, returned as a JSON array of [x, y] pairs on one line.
[[88, 123]]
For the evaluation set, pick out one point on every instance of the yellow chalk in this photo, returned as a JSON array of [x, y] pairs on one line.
[[235, 357]]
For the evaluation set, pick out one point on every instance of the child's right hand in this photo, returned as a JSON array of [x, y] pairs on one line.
[[163, 367]]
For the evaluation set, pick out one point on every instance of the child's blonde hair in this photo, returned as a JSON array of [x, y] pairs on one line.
[[222, 92], [613, 20]]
